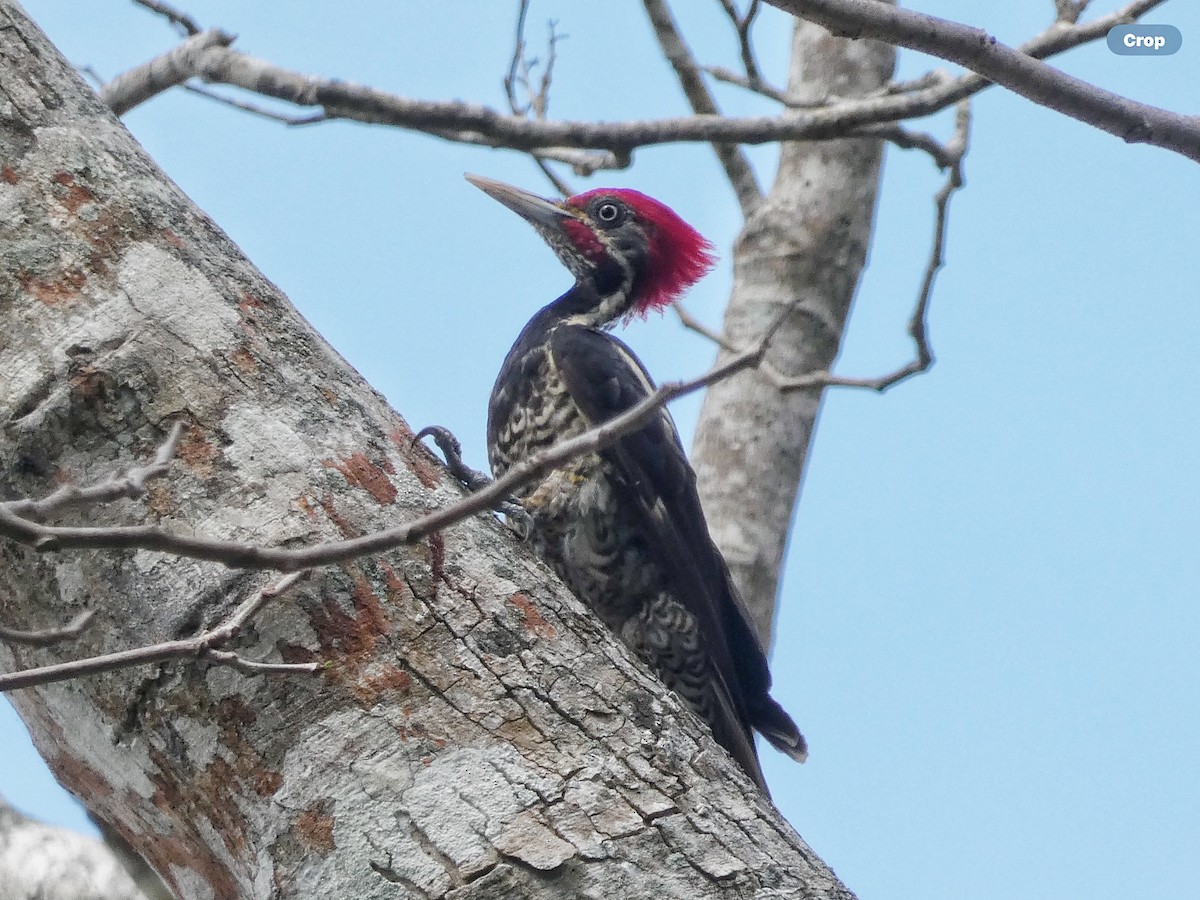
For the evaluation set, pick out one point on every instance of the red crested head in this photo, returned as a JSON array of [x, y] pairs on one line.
[[676, 256], [632, 253]]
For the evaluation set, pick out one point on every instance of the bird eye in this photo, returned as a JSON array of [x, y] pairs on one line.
[[608, 212]]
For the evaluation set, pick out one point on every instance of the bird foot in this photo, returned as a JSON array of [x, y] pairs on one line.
[[515, 515]]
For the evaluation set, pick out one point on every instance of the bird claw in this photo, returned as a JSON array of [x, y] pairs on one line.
[[472, 479], [517, 518], [515, 515]]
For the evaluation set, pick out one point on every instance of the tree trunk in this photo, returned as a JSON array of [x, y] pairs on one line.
[[473, 732], [40, 862], [805, 244]]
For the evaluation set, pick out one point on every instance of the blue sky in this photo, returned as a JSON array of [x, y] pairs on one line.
[[989, 618]]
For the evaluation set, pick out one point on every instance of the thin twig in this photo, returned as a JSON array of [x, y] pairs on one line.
[[315, 117], [538, 102], [732, 158], [180, 19], [130, 483], [918, 330], [202, 646], [1013, 68], [235, 554], [1018, 69], [918, 324], [742, 25], [517, 62], [759, 86], [46, 637], [911, 140], [1069, 11]]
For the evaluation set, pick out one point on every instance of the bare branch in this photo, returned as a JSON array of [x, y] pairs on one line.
[[255, 667], [311, 118], [912, 140], [518, 61], [742, 25], [131, 483], [48, 636], [918, 328], [476, 124], [952, 154], [1014, 69], [733, 160], [1069, 11], [757, 85], [46, 538], [180, 19], [519, 70], [173, 68], [204, 646]]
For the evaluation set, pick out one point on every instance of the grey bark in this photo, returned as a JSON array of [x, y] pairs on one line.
[[805, 245], [474, 732]]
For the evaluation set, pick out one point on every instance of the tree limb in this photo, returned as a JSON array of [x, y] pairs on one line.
[[733, 160], [47, 637], [176, 17], [1018, 71], [484, 126], [918, 330], [46, 538], [203, 646], [173, 68]]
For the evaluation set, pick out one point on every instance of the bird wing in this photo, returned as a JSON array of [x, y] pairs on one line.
[[604, 379]]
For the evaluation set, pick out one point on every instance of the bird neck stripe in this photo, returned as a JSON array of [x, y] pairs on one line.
[[605, 312], [613, 293]]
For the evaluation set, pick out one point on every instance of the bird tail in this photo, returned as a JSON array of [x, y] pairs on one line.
[[772, 722]]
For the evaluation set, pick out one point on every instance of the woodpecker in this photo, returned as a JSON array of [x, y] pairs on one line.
[[623, 528]]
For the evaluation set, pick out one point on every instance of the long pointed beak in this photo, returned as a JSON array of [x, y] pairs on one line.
[[536, 210]]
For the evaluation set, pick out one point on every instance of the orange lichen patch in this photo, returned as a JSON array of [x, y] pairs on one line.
[[217, 784], [531, 618], [417, 458], [61, 291], [75, 195], [306, 505], [267, 783], [8, 174], [90, 384], [248, 307], [244, 360], [197, 453], [314, 827], [342, 523], [348, 641], [233, 712], [397, 587], [360, 471], [249, 303], [380, 680], [210, 793], [158, 498], [170, 854], [367, 605], [82, 779]]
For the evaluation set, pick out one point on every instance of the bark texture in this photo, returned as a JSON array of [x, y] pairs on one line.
[[474, 732], [805, 244], [40, 862]]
